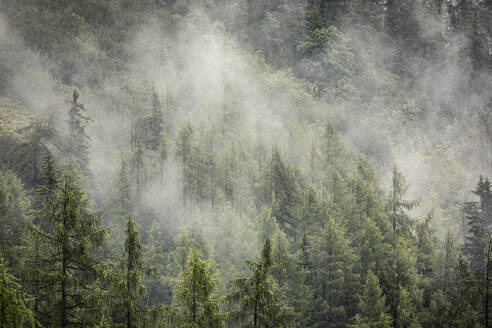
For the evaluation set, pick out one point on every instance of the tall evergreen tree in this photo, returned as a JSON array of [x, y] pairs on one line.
[[157, 126], [372, 308], [134, 290], [183, 152], [259, 307], [334, 280], [69, 233], [14, 312], [479, 217], [400, 219], [14, 218], [78, 140], [194, 293]]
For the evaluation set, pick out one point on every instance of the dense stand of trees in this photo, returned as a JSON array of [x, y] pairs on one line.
[[246, 200]]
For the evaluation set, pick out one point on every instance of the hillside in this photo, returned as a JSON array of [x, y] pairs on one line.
[[280, 163]]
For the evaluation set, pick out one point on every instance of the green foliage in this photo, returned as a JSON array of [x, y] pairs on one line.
[[78, 140], [134, 270], [258, 303], [398, 206], [341, 88], [372, 307], [14, 312], [14, 217], [66, 236], [194, 293]]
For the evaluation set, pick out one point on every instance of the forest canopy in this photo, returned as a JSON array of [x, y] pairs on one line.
[[264, 164]]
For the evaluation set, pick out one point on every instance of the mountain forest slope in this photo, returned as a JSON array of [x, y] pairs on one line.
[[268, 163]]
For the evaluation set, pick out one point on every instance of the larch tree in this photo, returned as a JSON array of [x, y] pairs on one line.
[[14, 312], [400, 219], [479, 218], [14, 218], [259, 306], [184, 150], [372, 308], [157, 123], [78, 140], [194, 293], [69, 233], [134, 271]]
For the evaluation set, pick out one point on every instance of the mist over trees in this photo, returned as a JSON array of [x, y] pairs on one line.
[[276, 163]]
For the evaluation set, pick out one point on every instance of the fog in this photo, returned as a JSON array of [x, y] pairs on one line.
[[207, 76]]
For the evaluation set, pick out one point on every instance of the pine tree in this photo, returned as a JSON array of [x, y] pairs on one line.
[[194, 294]]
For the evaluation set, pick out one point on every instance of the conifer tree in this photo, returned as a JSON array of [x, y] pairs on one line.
[[14, 218], [69, 232], [183, 152], [372, 308], [138, 169], [29, 154], [157, 123], [78, 140], [156, 257], [399, 207], [36, 266], [134, 270], [14, 312], [407, 312], [124, 198], [259, 307], [426, 246], [335, 282], [479, 218], [194, 294], [282, 192]]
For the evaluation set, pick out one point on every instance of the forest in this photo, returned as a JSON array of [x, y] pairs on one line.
[[246, 163]]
